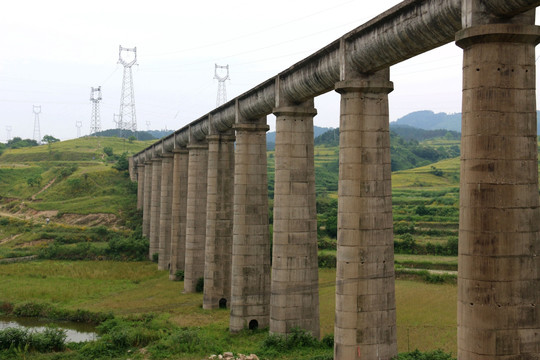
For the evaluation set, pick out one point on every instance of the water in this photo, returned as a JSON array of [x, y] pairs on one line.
[[75, 332]]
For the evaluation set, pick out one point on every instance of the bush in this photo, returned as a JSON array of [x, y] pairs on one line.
[[31, 309], [407, 245], [430, 355], [130, 248], [179, 275], [199, 286], [327, 243], [328, 340], [6, 308], [108, 150], [51, 339], [327, 261], [297, 338]]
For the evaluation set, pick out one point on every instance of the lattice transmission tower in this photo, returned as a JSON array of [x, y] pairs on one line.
[[95, 121], [78, 124], [128, 120], [37, 132], [221, 92], [8, 133], [117, 119]]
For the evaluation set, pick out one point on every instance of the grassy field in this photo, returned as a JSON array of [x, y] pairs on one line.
[[426, 313]]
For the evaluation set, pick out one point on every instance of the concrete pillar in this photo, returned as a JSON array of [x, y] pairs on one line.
[[147, 194], [196, 214], [499, 226], [178, 219], [132, 169], [365, 326], [140, 186], [250, 292], [294, 300], [164, 243], [155, 207], [219, 221]]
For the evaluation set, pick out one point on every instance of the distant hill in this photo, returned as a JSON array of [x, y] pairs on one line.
[[158, 134], [428, 120], [408, 132], [408, 152]]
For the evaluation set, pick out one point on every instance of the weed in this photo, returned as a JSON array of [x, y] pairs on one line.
[[179, 275], [430, 355], [199, 286]]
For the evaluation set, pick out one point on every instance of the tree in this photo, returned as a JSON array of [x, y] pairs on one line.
[[17, 143], [131, 139], [122, 164], [49, 139], [108, 150], [34, 180]]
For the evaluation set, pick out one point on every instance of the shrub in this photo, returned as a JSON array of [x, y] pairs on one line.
[[297, 338], [6, 308], [108, 150], [31, 309], [130, 248], [430, 355], [327, 261], [51, 339], [328, 340], [327, 243], [199, 286], [179, 275], [155, 257], [407, 245]]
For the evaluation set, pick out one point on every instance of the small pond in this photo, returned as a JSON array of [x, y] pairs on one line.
[[76, 332]]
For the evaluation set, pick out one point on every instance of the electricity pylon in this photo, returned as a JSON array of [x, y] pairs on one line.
[[78, 124], [221, 92], [127, 99], [37, 132], [8, 133], [117, 119], [95, 121]]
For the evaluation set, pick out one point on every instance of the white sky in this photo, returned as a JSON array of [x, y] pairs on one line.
[[54, 51]]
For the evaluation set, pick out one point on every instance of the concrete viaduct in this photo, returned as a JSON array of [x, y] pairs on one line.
[[203, 189]]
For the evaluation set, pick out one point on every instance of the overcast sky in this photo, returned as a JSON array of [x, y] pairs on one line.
[[54, 51]]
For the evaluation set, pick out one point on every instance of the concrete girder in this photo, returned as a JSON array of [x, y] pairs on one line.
[[408, 29]]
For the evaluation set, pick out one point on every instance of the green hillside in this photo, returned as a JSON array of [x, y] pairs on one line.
[[74, 176]]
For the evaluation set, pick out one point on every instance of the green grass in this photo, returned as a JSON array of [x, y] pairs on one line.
[[426, 312]]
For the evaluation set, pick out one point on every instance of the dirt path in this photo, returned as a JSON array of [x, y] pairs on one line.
[[44, 188]]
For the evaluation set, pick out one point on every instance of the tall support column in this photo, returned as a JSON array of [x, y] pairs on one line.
[[196, 214], [250, 293], [365, 326], [164, 244], [499, 225], [294, 298], [219, 221], [155, 207], [140, 186], [132, 169], [147, 201], [179, 205]]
